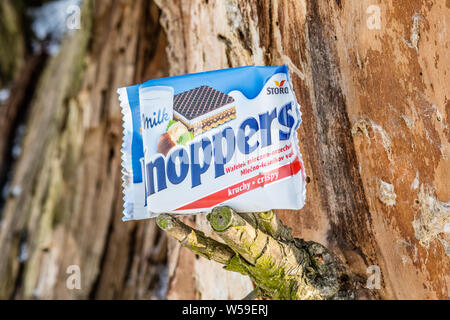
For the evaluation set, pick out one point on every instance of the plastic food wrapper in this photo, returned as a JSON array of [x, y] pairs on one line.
[[197, 141]]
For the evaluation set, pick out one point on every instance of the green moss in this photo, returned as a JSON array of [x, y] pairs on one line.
[[194, 242], [280, 283], [266, 215], [272, 279], [162, 222], [236, 264], [220, 218], [12, 58]]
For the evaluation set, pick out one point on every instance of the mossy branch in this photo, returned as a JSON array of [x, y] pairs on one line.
[[269, 223], [195, 240], [260, 246]]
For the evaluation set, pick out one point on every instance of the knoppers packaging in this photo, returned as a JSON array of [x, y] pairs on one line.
[[197, 141]]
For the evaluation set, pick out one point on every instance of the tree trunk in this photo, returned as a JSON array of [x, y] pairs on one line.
[[371, 79]]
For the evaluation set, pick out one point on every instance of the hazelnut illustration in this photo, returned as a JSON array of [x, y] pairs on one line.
[[170, 139], [176, 130], [165, 143]]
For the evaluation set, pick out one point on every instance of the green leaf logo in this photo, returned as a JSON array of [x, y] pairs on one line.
[[185, 138], [171, 122]]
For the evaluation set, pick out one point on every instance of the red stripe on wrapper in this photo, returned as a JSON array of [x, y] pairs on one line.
[[245, 186]]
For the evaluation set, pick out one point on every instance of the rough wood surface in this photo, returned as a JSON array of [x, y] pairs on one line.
[[375, 111], [69, 209], [374, 138]]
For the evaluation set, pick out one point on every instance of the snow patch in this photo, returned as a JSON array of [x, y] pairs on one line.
[[385, 140], [415, 183], [386, 193], [233, 15], [415, 33], [23, 255], [16, 191], [4, 95], [432, 220], [50, 24]]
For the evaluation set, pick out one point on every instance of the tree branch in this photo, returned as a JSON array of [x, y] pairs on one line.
[[195, 240], [260, 246]]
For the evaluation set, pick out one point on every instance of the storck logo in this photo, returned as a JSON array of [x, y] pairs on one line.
[[279, 88]]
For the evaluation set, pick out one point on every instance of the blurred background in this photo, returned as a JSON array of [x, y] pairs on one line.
[[372, 78]]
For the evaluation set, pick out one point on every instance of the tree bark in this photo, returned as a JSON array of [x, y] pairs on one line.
[[68, 211], [374, 140], [13, 38]]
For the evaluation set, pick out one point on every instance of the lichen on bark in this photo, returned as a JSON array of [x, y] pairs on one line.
[[12, 41]]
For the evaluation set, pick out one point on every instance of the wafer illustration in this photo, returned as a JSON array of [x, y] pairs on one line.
[[203, 108]]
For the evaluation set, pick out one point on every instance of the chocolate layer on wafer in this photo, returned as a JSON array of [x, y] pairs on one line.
[[203, 108]]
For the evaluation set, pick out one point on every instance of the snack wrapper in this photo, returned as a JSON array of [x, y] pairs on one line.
[[197, 141]]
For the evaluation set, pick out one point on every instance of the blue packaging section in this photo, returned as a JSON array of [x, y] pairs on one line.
[[248, 80]]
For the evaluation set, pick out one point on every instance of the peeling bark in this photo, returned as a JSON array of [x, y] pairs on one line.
[[349, 80]]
